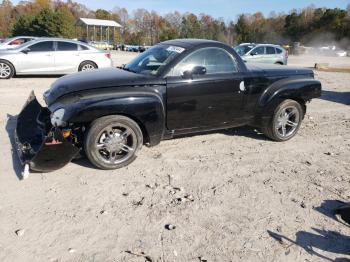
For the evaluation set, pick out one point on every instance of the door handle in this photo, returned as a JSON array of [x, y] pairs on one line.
[[242, 86]]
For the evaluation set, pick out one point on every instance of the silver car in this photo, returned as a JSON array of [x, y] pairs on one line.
[[48, 56], [262, 53]]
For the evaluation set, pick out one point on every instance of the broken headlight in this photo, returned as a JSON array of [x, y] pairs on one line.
[[57, 118]]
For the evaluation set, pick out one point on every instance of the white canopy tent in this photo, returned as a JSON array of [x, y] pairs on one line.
[[104, 26]]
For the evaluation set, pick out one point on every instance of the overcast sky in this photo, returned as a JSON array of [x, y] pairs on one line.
[[229, 9]]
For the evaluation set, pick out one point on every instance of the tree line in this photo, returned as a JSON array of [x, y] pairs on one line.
[[310, 25]]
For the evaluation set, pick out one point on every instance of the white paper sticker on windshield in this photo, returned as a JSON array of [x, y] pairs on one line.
[[176, 49]]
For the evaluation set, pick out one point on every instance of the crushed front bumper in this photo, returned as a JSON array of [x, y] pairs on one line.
[[39, 144]]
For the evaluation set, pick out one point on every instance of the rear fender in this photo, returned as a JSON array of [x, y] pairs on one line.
[[299, 88], [146, 109]]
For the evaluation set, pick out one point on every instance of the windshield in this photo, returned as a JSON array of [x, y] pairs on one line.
[[154, 59], [243, 49]]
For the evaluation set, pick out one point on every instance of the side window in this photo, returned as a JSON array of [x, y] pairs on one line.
[[215, 60], [42, 47], [279, 50], [270, 50], [82, 47], [260, 50], [66, 46], [25, 40], [17, 41]]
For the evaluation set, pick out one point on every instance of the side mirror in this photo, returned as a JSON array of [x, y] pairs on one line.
[[197, 70], [26, 50]]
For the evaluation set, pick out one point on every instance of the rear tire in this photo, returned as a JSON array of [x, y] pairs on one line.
[[7, 70], [87, 66], [113, 142], [285, 122]]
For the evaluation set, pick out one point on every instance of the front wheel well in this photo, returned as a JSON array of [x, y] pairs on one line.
[[145, 135]]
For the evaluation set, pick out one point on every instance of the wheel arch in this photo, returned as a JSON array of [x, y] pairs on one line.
[[146, 138], [146, 110], [299, 89]]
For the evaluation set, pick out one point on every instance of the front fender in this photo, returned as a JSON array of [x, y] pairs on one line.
[[147, 109], [299, 88]]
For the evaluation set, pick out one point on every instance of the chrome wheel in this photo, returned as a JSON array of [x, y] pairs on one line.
[[116, 143], [287, 121], [5, 70], [88, 67]]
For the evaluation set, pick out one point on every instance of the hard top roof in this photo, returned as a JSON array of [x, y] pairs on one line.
[[187, 43]]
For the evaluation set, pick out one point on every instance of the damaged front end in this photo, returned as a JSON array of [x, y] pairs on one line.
[[40, 145]]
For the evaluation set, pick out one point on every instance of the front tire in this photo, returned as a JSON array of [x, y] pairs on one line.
[[113, 142], [7, 70], [285, 122]]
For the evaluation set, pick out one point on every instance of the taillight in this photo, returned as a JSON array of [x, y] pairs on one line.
[[108, 55]]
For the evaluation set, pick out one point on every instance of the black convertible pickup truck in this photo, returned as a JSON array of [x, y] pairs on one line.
[[177, 87]]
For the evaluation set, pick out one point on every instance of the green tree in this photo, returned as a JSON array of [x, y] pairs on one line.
[[103, 14], [23, 26], [46, 23], [294, 26], [190, 26], [66, 22], [242, 29]]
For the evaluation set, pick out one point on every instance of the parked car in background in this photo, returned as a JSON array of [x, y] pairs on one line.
[[175, 88], [13, 42], [52, 56], [102, 45], [143, 48], [132, 48], [332, 51], [262, 53]]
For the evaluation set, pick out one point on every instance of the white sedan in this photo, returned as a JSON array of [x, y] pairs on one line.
[[49, 56]]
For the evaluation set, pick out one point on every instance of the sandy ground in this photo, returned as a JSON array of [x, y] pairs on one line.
[[248, 198], [310, 61]]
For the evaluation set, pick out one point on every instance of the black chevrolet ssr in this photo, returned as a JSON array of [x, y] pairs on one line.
[[177, 87]]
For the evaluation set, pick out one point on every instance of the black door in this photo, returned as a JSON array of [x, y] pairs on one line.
[[205, 100]]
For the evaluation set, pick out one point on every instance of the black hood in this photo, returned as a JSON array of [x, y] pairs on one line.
[[278, 70], [103, 78]]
